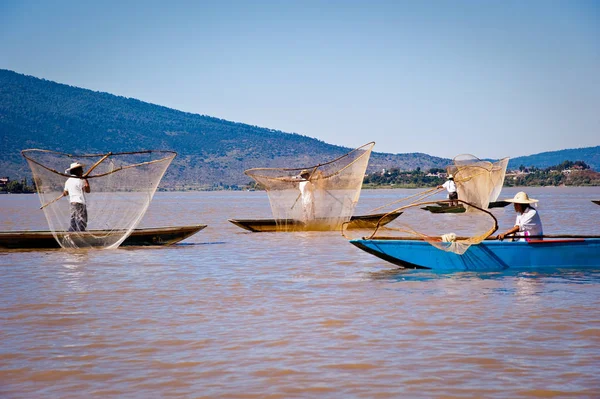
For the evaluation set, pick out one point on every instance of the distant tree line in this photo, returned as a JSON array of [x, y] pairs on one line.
[[569, 173], [406, 179], [17, 187]]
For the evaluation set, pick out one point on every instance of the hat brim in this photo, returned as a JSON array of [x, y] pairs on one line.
[[514, 201], [74, 167]]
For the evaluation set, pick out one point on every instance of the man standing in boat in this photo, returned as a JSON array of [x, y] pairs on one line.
[[75, 187], [450, 186], [528, 222], [307, 191]]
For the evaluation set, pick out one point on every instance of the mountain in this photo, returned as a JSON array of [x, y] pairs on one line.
[[212, 152], [590, 155], [36, 113]]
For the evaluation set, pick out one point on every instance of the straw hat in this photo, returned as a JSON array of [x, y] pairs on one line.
[[450, 176], [74, 165], [521, 198], [304, 172]]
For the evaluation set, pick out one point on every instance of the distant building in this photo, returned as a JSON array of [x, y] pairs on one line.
[[4, 182]]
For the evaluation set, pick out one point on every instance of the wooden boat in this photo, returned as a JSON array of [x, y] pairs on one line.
[[31, 239], [444, 209], [596, 202], [489, 255], [498, 204], [270, 225]]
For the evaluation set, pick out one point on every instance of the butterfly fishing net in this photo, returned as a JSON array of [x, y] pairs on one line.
[[451, 225], [121, 187], [478, 182], [320, 197], [452, 232]]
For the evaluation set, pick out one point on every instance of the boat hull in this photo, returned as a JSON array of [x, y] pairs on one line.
[[488, 255], [139, 237], [290, 225]]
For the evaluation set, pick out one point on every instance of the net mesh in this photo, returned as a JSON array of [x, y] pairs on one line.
[[121, 188], [456, 224], [320, 197], [453, 232], [478, 182]]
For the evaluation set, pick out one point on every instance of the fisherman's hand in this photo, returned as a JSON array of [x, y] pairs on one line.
[[501, 236]]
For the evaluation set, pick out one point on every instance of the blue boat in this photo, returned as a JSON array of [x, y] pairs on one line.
[[489, 255]]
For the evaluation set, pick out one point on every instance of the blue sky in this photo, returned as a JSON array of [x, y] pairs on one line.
[[493, 79]]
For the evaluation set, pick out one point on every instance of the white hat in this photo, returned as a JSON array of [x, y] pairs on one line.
[[73, 166], [521, 198], [450, 176]]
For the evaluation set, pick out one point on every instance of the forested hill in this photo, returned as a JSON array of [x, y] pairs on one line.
[[212, 152], [36, 113], [591, 156]]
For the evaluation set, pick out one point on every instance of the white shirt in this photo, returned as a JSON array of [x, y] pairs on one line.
[[306, 188], [75, 186], [450, 186], [529, 223]]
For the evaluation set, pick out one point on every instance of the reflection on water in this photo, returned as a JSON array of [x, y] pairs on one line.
[[571, 276], [229, 313]]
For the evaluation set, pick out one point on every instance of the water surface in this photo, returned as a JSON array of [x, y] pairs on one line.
[[234, 314]]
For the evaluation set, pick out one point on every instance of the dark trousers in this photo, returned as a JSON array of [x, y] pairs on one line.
[[78, 217]]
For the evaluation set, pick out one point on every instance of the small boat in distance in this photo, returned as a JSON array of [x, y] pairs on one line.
[[288, 225], [558, 251], [32, 239], [596, 202], [443, 207]]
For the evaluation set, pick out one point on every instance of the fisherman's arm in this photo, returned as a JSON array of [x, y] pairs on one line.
[[511, 231]]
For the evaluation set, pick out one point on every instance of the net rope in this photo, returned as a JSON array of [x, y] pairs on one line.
[[478, 183], [122, 186], [319, 197]]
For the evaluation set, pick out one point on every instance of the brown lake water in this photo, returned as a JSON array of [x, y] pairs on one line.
[[233, 314]]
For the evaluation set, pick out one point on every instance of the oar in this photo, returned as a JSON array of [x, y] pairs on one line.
[[53, 201], [84, 176]]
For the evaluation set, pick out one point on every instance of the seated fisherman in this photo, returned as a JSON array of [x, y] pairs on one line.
[[528, 221]]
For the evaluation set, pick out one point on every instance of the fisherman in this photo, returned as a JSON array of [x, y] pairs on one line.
[[528, 221], [75, 187], [450, 186], [307, 189]]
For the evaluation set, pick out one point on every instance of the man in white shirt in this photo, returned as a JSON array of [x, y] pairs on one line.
[[528, 222], [450, 186], [76, 187], [308, 197]]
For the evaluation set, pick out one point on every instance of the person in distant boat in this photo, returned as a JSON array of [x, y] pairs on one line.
[[75, 187], [528, 221], [450, 186], [307, 192]]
